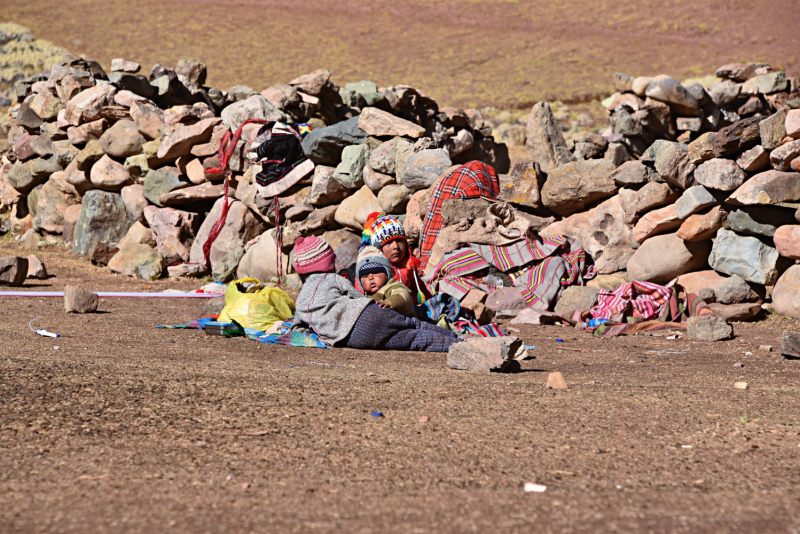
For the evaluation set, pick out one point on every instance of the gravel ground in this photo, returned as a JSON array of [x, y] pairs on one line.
[[118, 426]]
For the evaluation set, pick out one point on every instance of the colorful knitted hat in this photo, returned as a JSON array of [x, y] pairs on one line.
[[371, 260], [313, 255], [380, 229]]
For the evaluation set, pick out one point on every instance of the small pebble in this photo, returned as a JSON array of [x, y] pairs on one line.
[[740, 385], [738, 364], [423, 419], [765, 348], [245, 485]]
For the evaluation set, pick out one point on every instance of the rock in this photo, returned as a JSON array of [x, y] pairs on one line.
[[350, 172], [254, 107], [460, 143], [403, 150], [71, 215], [545, 143], [379, 123], [180, 141], [456, 209], [21, 178], [174, 231], [555, 381], [259, 261], [149, 120], [666, 89], [532, 316], [54, 198], [161, 182], [299, 212], [46, 105], [101, 254], [103, 219], [737, 137], [747, 257], [576, 298], [792, 123], [13, 271], [79, 300], [36, 269], [109, 175], [241, 225], [382, 159], [189, 270], [133, 197], [782, 156], [772, 129], [122, 65], [324, 146], [734, 313], [755, 159], [656, 222], [639, 85], [648, 197], [786, 293], [688, 124], [734, 290], [702, 148], [692, 200], [499, 354], [313, 84], [192, 72], [708, 328], [424, 167], [571, 187], [725, 92], [393, 199], [91, 131], [213, 306], [720, 174], [90, 155], [694, 282], [522, 186], [702, 226], [122, 140], [609, 282], [138, 261], [282, 96], [787, 241], [597, 229], [742, 223], [633, 173], [673, 165], [772, 82], [768, 187], [367, 91], [664, 257], [86, 106], [740, 72], [138, 234], [617, 154], [325, 189], [196, 193], [377, 181], [354, 210]]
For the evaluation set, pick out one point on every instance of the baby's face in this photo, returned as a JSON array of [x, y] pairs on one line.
[[373, 282]]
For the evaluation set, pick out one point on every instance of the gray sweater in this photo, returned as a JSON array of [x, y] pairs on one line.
[[330, 305]]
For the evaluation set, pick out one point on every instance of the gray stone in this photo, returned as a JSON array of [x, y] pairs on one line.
[[254, 107], [782, 156], [189, 270], [753, 160], [459, 143], [747, 257], [673, 165], [424, 167], [523, 185], [664, 257], [367, 90], [708, 328], [122, 140], [545, 143], [394, 198], [54, 198], [36, 268], [138, 234], [769, 83], [403, 150], [742, 223], [103, 219], [162, 181], [735, 313], [325, 189], [350, 172], [13, 271], [772, 129], [324, 146], [133, 83], [634, 173], [379, 123], [260, 259], [213, 306], [734, 290], [101, 254], [768, 187], [666, 89], [571, 187], [499, 354], [720, 174], [725, 92], [576, 298], [740, 72], [692, 200], [138, 261], [382, 159], [79, 300], [192, 72], [702, 148]]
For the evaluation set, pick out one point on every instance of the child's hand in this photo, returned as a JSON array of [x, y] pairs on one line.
[[383, 304]]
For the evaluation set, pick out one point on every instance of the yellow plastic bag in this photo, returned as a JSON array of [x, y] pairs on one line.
[[258, 310], [233, 293]]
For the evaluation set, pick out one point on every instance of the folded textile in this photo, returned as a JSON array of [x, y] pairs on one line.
[[445, 310]]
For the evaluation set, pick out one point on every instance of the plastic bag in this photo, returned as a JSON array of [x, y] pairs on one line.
[[237, 288], [258, 310]]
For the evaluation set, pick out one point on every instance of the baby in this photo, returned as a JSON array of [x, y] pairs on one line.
[[374, 273]]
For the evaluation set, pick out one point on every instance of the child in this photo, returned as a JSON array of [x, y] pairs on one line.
[[376, 276], [343, 317], [387, 234]]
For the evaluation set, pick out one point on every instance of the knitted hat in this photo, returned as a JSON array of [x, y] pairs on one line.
[[313, 255], [371, 260], [384, 229]]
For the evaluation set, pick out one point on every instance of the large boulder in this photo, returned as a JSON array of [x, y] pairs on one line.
[[324, 146], [424, 167], [633, 174], [174, 231], [720, 174], [87, 105], [139, 261], [787, 241], [133, 197], [103, 219], [672, 163], [109, 175], [745, 256], [379, 123], [769, 187], [786, 294], [259, 261], [523, 185], [350, 171], [666, 89], [571, 187], [122, 140], [181, 141], [325, 189], [54, 199], [254, 107], [161, 182], [664, 257], [545, 143], [354, 210], [13, 270]]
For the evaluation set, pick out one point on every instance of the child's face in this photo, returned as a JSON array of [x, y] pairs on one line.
[[395, 251], [373, 282]]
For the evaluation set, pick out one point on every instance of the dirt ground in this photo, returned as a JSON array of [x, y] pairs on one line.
[[119, 426], [502, 53]]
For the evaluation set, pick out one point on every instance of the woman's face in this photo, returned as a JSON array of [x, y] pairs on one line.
[[395, 251]]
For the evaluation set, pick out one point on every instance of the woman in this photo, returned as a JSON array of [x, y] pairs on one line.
[[387, 234]]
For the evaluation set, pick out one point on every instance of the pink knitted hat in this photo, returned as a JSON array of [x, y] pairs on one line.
[[313, 255]]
